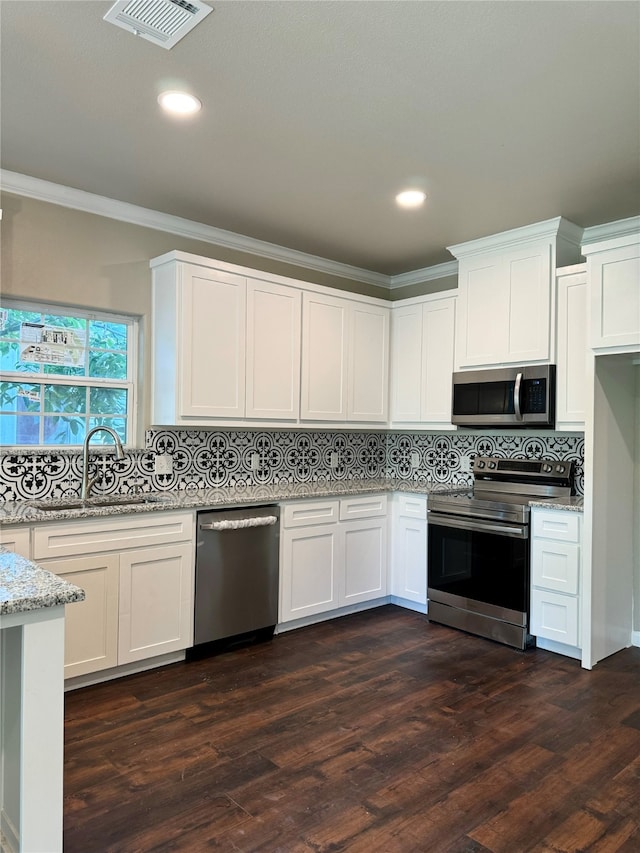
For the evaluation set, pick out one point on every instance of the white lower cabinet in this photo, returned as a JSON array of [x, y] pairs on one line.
[[16, 539], [555, 577], [137, 573], [409, 551], [333, 554]]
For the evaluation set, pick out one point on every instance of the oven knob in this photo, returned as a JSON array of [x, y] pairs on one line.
[[492, 465], [560, 469], [547, 468], [480, 464]]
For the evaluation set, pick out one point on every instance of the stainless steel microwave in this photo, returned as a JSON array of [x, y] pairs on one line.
[[505, 397]]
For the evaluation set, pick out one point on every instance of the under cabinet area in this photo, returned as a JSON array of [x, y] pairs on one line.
[[555, 580], [333, 554], [422, 357], [137, 573]]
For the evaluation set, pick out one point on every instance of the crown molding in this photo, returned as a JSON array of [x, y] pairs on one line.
[[36, 188], [556, 227], [426, 274], [619, 230]]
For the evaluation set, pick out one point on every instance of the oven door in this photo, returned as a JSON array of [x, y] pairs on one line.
[[480, 566]]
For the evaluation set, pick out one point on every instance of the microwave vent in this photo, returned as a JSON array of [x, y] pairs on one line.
[[163, 22]]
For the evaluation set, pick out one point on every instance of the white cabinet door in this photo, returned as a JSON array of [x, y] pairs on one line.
[[311, 570], [615, 293], [273, 351], [483, 311], [406, 363], [212, 344], [438, 354], [528, 281], [324, 358], [571, 347], [156, 598], [368, 376], [16, 539], [409, 573], [554, 617], [90, 626], [504, 306], [365, 560]]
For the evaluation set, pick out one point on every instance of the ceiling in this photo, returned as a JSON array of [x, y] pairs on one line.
[[317, 113]]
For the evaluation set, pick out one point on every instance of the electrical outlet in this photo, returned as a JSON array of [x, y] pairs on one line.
[[465, 464], [163, 464], [415, 459], [255, 461], [334, 460]]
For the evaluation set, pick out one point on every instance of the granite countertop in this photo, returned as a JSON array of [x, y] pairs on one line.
[[572, 504], [25, 586], [24, 512]]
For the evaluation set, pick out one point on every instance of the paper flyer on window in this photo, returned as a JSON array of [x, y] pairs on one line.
[[40, 344]]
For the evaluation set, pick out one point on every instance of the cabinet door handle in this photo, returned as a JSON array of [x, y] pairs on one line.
[[240, 523]]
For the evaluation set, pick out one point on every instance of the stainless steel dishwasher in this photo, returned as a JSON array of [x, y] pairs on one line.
[[237, 576]]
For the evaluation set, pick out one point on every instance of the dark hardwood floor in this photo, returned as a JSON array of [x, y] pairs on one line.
[[377, 732]]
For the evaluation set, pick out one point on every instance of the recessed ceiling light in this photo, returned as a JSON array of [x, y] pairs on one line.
[[179, 103], [411, 198]]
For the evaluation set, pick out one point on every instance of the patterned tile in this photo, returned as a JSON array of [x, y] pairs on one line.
[[217, 458]]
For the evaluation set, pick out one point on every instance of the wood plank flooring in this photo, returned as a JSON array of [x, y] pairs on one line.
[[374, 733]]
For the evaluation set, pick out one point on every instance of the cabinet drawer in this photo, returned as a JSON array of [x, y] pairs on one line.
[[364, 507], [556, 565], [412, 506], [311, 512], [554, 616], [550, 524], [116, 533]]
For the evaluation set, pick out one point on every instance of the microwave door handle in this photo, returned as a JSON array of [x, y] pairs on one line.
[[516, 396]]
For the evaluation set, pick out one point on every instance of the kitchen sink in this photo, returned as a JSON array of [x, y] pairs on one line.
[[93, 503]]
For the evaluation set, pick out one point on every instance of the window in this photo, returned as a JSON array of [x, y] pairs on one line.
[[63, 372]]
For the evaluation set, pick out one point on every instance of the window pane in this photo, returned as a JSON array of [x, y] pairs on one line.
[[68, 399], [108, 365], [20, 429], [107, 401], [19, 397], [117, 424], [64, 429], [14, 320], [104, 335]]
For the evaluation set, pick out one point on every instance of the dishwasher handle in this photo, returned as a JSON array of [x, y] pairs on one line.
[[241, 523]]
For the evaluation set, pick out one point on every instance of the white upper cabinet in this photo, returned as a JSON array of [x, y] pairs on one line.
[[226, 346], [273, 351], [422, 351], [505, 311], [345, 360], [571, 347], [324, 358], [613, 273], [233, 346]]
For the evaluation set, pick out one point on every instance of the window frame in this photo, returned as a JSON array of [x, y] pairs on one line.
[[130, 384]]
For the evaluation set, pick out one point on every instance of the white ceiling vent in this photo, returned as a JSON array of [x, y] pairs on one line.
[[163, 22]]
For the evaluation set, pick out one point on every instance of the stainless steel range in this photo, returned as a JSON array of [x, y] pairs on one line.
[[478, 545]]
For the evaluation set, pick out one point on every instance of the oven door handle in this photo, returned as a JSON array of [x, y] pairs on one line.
[[476, 524]]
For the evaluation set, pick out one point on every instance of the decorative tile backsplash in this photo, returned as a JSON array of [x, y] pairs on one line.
[[209, 458]]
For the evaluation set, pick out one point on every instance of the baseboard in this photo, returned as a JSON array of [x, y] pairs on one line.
[[559, 648], [283, 627], [408, 604], [120, 671], [635, 638]]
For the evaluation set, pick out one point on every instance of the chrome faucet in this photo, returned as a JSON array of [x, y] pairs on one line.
[[87, 482]]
